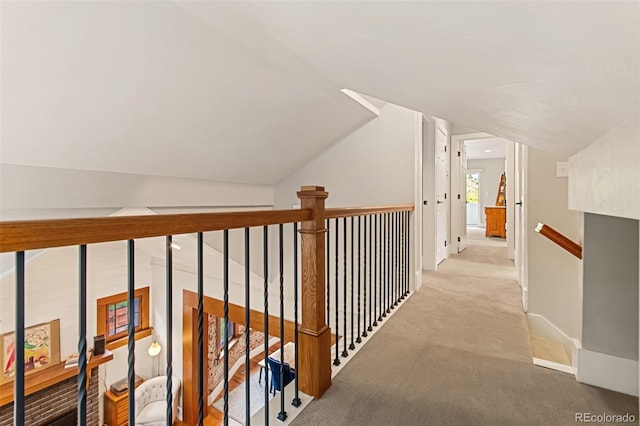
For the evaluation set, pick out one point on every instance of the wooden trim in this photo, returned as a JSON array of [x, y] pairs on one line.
[[564, 242], [43, 234], [101, 316], [49, 377], [360, 211], [124, 340]]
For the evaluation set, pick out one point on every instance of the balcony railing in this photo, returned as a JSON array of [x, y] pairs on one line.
[[351, 270]]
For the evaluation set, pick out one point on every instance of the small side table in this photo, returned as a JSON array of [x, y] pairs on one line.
[[116, 407]]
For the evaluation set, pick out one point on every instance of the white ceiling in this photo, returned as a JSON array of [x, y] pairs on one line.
[[147, 88], [249, 91], [477, 148]]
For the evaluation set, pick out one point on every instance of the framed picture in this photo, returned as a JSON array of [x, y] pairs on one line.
[[41, 349]]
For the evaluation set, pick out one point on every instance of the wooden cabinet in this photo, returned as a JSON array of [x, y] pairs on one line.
[[116, 408], [496, 221]]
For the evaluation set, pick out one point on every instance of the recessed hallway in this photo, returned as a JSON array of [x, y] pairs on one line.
[[458, 353]]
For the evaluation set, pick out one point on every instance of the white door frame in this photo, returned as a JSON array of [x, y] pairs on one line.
[[417, 224], [428, 204], [457, 186], [521, 158], [479, 173]]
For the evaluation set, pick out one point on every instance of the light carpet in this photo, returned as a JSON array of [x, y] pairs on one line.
[[458, 353]]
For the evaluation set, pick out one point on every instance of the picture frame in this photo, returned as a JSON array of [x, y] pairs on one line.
[[42, 349]]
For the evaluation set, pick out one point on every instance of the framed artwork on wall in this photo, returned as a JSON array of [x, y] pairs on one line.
[[41, 349]]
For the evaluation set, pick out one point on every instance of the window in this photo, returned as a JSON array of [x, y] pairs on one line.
[[113, 314], [231, 332]]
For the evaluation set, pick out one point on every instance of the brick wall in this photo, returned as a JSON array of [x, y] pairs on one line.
[[216, 372], [54, 401]]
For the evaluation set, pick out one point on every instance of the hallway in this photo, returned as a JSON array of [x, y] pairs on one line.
[[458, 353]]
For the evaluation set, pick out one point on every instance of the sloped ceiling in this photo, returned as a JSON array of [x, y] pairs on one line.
[[249, 91], [556, 75], [149, 88]]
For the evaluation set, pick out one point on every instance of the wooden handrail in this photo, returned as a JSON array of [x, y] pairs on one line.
[[42, 234], [564, 242], [360, 211]]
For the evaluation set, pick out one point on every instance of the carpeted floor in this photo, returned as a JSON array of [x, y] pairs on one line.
[[458, 353]]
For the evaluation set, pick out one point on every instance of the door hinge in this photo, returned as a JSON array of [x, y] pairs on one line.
[[445, 243], [458, 153], [445, 195], [458, 196], [458, 239], [445, 148]]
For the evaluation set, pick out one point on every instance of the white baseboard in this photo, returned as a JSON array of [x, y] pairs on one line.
[[554, 365], [608, 371], [417, 280]]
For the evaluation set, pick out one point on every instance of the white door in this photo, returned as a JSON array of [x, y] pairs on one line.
[[442, 177], [521, 220]]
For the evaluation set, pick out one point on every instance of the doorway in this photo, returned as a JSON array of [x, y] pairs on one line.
[[472, 191]]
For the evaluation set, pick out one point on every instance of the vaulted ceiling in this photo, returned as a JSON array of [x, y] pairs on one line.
[[249, 91]]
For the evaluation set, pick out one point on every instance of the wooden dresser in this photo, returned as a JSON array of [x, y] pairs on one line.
[[496, 221]]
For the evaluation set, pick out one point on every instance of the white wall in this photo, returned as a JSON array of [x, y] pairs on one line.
[[372, 166], [491, 168], [554, 289], [28, 192], [605, 176]]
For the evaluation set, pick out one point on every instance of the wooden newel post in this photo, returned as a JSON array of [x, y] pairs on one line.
[[314, 338]]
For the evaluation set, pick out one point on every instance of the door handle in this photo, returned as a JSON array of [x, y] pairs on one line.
[[440, 202], [519, 203]]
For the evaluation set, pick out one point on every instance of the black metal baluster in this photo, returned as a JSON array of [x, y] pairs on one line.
[[82, 333], [352, 346], [247, 325], [366, 314], [401, 253], [392, 258], [404, 260], [344, 302], [408, 253], [385, 265], [282, 415], [358, 339], [225, 298], [370, 328], [336, 361], [396, 258], [296, 399], [18, 389], [389, 273], [376, 294], [265, 248], [131, 356], [200, 329], [169, 309]]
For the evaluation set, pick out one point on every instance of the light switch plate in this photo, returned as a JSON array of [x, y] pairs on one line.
[[562, 169]]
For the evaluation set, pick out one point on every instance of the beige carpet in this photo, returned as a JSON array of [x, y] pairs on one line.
[[458, 353]]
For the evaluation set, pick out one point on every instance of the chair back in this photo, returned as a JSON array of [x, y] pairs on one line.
[[274, 367]]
